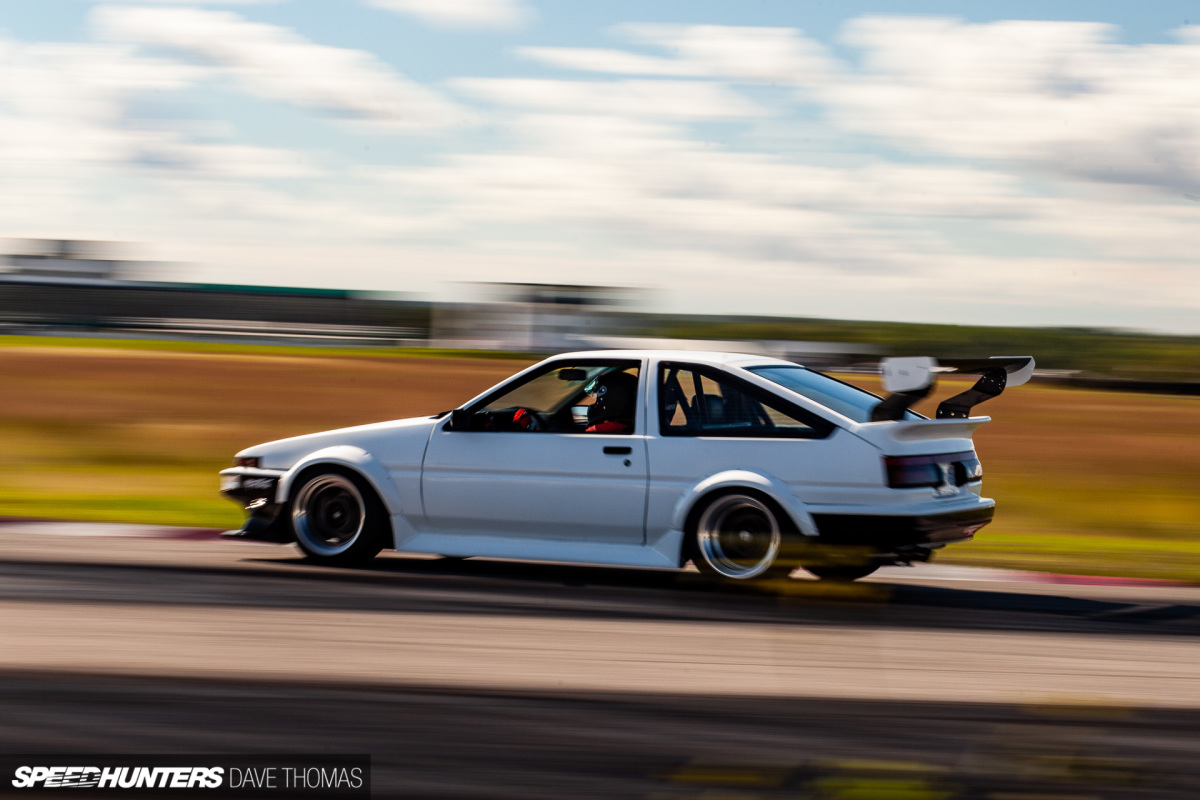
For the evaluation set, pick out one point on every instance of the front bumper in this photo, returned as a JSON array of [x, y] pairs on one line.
[[255, 490]]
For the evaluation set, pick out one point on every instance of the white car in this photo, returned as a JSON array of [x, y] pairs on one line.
[[744, 465]]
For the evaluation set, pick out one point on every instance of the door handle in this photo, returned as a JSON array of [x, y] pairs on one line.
[[617, 451]]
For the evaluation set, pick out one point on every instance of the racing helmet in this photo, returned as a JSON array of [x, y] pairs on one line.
[[616, 397]]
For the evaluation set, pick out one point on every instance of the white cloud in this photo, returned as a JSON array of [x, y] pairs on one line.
[[64, 103], [76, 161], [759, 55], [1062, 97], [462, 13], [222, 160], [648, 185], [1026, 185], [780, 55], [612, 62], [639, 100], [637, 188], [1058, 97], [64, 112], [1118, 228], [770, 55], [276, 62]]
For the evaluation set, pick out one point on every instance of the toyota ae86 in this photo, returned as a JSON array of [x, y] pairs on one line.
[[743, 465]]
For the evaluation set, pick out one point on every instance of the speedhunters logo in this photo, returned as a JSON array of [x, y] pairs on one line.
[[233, 776], [119, 777]]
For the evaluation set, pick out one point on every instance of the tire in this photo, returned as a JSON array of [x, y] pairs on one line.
[[842, 573], [337, 518], [738, 536]]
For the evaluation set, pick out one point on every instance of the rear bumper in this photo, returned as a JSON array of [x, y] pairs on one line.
[[893, 533]]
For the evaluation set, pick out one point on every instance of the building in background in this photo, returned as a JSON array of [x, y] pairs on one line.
[[63, 260], [84, 288], [534, 317], [66, 287]]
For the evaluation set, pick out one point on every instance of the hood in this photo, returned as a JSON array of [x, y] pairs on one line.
[[282, 453]]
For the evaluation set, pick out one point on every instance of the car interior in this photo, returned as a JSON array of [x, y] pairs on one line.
[[561, 400]]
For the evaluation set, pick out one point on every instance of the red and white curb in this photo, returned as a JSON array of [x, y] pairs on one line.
[[942, 572]]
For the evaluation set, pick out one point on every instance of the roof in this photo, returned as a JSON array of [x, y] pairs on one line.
[[695, 356]]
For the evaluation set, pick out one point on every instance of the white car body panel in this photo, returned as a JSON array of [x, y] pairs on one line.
[[536, 486], [913, 436]]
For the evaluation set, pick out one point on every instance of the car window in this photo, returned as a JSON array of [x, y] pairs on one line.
[[847, 400], [546, 391], [696, 400], [566, 397]]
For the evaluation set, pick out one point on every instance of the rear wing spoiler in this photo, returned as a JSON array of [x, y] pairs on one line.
[[911, 379]]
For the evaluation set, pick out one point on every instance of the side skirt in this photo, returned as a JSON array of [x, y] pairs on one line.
[[661, 554]]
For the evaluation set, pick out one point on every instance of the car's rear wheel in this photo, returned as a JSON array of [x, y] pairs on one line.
[[738, 536], [337, 518]]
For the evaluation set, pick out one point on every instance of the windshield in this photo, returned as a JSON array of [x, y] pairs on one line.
[[550, 391], [847, 400]]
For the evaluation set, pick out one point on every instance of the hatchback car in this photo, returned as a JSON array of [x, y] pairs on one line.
[[743, 465]]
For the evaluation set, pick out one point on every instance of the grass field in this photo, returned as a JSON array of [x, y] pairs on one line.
[[1085, 481]]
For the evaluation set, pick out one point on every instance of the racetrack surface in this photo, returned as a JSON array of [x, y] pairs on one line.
[[492, 679]]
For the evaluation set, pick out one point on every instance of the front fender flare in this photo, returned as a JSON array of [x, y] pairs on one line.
[[769, 485], [349, 457]]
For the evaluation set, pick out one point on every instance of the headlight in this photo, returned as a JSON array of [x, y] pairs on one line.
[[246, 461]]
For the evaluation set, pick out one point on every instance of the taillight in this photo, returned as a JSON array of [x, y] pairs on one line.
[[913, 472], [968, 470], [246, 461]]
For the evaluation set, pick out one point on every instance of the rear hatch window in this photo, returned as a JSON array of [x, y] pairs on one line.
[[849, 401]]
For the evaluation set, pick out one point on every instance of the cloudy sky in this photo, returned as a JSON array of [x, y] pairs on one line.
[[1000, 162]]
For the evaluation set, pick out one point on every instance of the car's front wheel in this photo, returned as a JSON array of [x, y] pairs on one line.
[[738, 535], [337, 518]]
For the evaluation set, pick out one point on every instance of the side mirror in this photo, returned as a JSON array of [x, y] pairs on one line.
[[460, 420]]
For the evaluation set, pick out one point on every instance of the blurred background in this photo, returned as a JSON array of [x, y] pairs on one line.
[[230, 221]]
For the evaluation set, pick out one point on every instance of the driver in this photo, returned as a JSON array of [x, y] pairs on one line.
[[615, 396]]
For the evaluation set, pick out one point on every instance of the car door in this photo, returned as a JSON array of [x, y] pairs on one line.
[[565, 477]]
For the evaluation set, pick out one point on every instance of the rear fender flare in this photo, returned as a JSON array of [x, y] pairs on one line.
[[772, 487]]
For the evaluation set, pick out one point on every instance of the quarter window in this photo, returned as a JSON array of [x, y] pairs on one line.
[[696, 400]]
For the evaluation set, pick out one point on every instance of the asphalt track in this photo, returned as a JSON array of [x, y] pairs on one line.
[[475, 678]]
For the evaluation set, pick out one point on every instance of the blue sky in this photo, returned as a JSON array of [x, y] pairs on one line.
[[1004, 163]]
